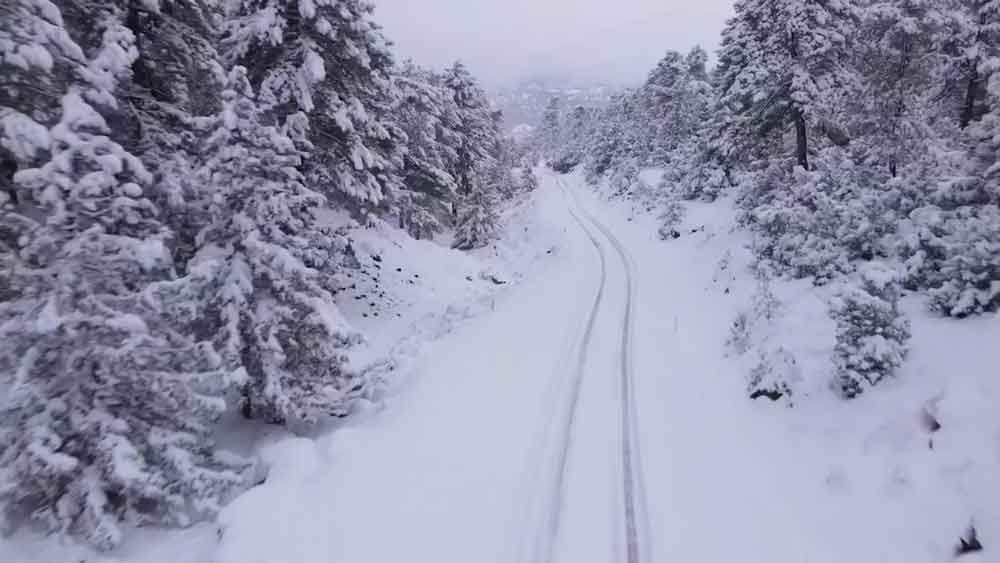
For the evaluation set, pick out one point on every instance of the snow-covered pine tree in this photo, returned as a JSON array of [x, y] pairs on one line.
[[872, 333], [660, 100], [971, 38], [953, 247], [672, 109], [498, 176], [986, 134], [268, 311], [549, 136], [782, 64], [892, 118], [576, 137], [613, 137], [108, 410], [477, 221], [695, 171], [427, 114], [328, 59], [478, 129]]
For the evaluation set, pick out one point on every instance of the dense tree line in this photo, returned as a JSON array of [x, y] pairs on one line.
[[851, 132], [163, 254]]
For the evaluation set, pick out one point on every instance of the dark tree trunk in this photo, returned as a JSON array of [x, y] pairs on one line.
[[8, 167], [971, 92], [975, 88], [246, 403], [801, 142]]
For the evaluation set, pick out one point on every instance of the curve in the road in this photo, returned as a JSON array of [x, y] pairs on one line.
[[546, 553], [635, 518], [634, 486]]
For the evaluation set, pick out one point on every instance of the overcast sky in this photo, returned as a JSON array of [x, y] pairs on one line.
[[504, 41]]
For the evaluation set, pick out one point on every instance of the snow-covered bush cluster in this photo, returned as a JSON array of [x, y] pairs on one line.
[[817, 223], [871, 331], [849, 132], [774, 372], [162, 259]]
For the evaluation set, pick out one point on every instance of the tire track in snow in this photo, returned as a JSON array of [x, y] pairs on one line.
[[545, 546], [635, 514]]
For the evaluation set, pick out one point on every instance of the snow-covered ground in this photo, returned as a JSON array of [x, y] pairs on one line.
[[505, 442]]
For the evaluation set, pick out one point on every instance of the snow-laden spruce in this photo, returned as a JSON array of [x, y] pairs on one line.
[[477, 223], [426, 111], [575, 137], [108, 413], [478, 128], [268, 311], [548, 138]]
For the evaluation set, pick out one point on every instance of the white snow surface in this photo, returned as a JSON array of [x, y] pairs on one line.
[[456, 463]]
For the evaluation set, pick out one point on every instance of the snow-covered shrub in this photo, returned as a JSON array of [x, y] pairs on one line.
[[740, 333], [764, 309], [528, 180], [625, 179], [775, 372], [646, 196], [816, 223], [671, 213], [872, 332], [774, 375], [956, 256], [950, 240], [419, 214]]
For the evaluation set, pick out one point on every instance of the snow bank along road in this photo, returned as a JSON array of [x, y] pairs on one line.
[[519, 439]]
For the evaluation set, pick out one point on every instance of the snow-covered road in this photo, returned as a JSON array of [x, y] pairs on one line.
[[575, 494], [516, 443]]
